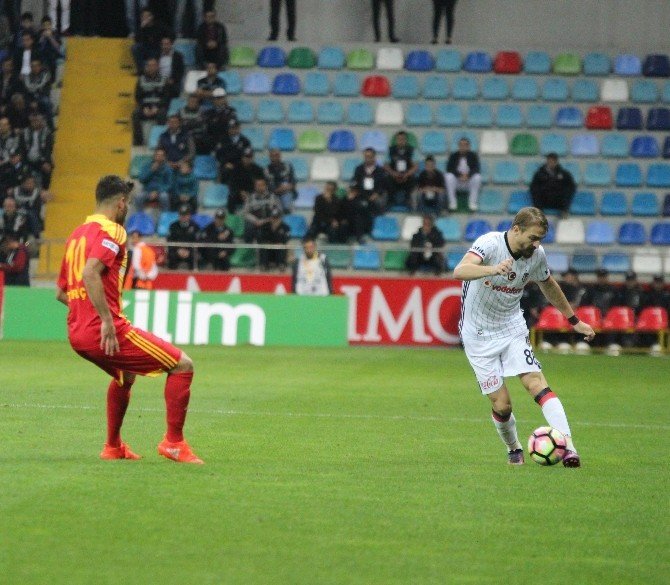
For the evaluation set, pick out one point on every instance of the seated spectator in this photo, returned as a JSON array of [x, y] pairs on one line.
[[572, 288], [27, 25], [184, 189], [151, 98], [463, 172], [401, 169], [182, 231], [629, 295], [177, 143], [282, 181], [600, 294], [371, 182], [9, 143], [657, 295], [38, 89], [10, 83], [38, 144], [217, 232], [14, 261], [311, 274], [148, 39], [15, 172], [275, 232], [49, 44], [18, 113], [30, 197], [156, 177], [193, 121], [24, 54], [142, 267], [243, 178], [230, 149], [217, 120], [14, 221], [355, 216], [429, 196], [180, 9], [171, 66], [211, 81], [426, 248], [211, 42], [258, 209], [553, 187], [326, 218]]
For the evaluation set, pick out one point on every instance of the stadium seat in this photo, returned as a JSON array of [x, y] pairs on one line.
[[242, 57], [330, 113], [597, 174], [529, 170], [204, 167], [164, 220], [504, 225], [419, 61], [360, 59], [524, 145], [450, 228], [600, 233], [454, 256], [614, 145], [448, 115], [666, 147], [555, 90], [629, 119], [584, 145], [243, 258], [632, 233], [301, 58], [619, 319], [244, 110], [660, 234], [644, 147], [665, 93], [627, 65], [448, 61], [656, 66], [666, 205], [628, 175], [583, 203], [525, 89], [614, 90], [360, 113], [471, 136], [376, 86], [506, 173], [176, 104], [614, 203], [187, 50], [644, 91], [433, 142], [517, 200], [647, 263], [270, 111], [570, 231], [494, 142], [574, 168], [465, 88], [257, 83], [331, 58], [389, 59], [557, 143], [567, 64], [653, 320], [558, 262], [550, 318], [550, 236], [479, 115], [386, 229], [491, 201], [419, 114], [317, 84], [538, 116], [590, 315], [596, 64], [155, 134], [495, 88], [395, 259], [584, 261], [141, 222], [477, 62], [137, 163], [286, 84], [375, 139], [216, 196], [283, 139], [508, 62], [645, 204], [347, 84], [569, 117], [476, 228], [271, 57], [389, 113], [342, 141], [367, 258], [311, 141], [509, 116], [616, 262], [300, 169], [325, 168], [297, 225], [435, 87], [302, 112], [658, 175], [232, 80], [406, 87], [585, 90], [599, 118], [306, 196], [537, 63], [202, 220], [658, 119]]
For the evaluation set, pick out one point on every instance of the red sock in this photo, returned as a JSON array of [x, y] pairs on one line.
[[117, 402], [177, 394]]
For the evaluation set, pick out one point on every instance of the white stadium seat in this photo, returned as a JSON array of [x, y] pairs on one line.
[[570, 231], [191, 81], [390, 59], [325, 168], [647, 263], [389, 114], [410, 226], [614, 90], [494, 142]]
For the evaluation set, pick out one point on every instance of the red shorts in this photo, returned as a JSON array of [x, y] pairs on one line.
[[140, 352]]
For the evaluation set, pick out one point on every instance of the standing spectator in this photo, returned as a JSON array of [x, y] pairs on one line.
[[24, 54], [281, 177], [184, 187], [401, 169], [463, 172], [171, 66], [86, 15], [148, 39], [177, 143], [10, 82], [217, 232], [38, 144], [14, 261], [326, 218], [151, 97], [258, 209], [49, 44], [446, 6], [212, 42], [371, 182], [355, 216], [426, 252], [156, 179], [430, 192], [182, 231], [275, 6], [553, 187], [142, 267], [30, 197], [131, 14], [217, 120], [6, 48], [27, 25], [231, 148], [14, 221], [179, 15], [311, 274], [390, 19], [277, 233], [38, 88], [242, 180]]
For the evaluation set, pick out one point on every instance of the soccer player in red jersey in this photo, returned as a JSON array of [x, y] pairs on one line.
[[90, 284]]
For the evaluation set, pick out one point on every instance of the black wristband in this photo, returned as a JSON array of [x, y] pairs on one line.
[[573, 320]]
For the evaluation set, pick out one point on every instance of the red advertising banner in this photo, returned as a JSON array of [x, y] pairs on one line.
[[383, 311]]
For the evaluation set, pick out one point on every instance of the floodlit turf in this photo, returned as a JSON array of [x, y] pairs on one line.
[[323, 466]]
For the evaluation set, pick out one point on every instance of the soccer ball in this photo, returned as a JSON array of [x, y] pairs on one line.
[[547, 446]]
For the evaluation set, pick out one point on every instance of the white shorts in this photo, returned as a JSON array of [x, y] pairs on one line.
[[493, 360]]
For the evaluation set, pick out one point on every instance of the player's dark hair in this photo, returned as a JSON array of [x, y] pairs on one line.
[[111, 186], [308, 238], [530, 216]]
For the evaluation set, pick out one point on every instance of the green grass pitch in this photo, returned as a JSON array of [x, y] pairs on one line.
[[357, 465]]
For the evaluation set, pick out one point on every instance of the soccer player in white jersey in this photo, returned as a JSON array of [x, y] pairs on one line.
[[494, 272]]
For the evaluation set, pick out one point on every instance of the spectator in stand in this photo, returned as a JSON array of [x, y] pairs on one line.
[[9, 143], [38, 144], [446, 6], [326, 218], [277, 233], [212, 42], [275, 7], [463, 172], [629, 295], [151, 97], [426, 248], [16, 171], [14, 221], [131, 14], [258, 208], [553, 187], [429, 196], [217, 232], [142, 267], [171, 66], [355, 216], [532, 302], [217, 121], [148, 39], [49, 45], [27, 24], [211, 81], [281, 179], [390, 19], [184, 187], [371, 182], [401, 170], [242, 180], [182, 231], [233, 145], [38, 89], [14, 261], [601, 295], [10, 82], [24, 55], [156, 177], [179, 15], [177, 143], [311, 274], [18, 113], [53, 15], [572, 288], [657, 295], [192, 119], [5, 35], [30, 197]]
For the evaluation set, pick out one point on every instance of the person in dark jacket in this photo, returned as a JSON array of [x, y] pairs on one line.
[[216, 122], [275, 6], [281, 178], [14, 261], [211, 81], [38, 144], [657, 295], [355, 216], [401, 170], [463, 172], [229, 153], [148, 39], [217, 232], [242, 180], [430, 192], [184, 230], [326, 218], [10, 82], [211, 42], [371, 182], [171, 66], [553, 187], [177, 143], [427, 244], [151, 97], [275, 232], [14, 221]]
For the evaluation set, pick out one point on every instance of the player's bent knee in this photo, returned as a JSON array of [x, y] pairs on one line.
[[185, 364]]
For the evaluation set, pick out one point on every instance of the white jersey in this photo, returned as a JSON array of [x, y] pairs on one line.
[[311, 276], [490, 306]]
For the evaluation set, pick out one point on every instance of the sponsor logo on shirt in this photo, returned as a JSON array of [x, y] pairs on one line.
[[110, 246], [510, 290], [511, 276]]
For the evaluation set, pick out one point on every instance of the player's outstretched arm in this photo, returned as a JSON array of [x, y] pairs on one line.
[[471, 268], [94, 288], [552, 291]]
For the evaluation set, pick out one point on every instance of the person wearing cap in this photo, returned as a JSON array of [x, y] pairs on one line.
[[401, 170], [211, 42], [182, 231], [156, 178], [177, 143], [463, 172], [355, 216], [217, 120], [171, 66], [371, 181], [14, 261], [553, 186], [230, 149], [258, 208], [217, 232], [281, 179], [151, 98], [426, 248], [431, 190], [273, 231], [241, 180], [210, 83]]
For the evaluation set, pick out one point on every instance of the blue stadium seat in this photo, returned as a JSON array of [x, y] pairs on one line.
[[232, 80], [583, 203], [538, 116], [557, 261], [300, 168], [271, 57], [330, 113], [469, 134], [658, 119], [202, 220], [342, 141], [644, 91], [597, 174], [600, 233], [509, 116], [301, 112], [569, 117], [331, 58], [419, 61], [455, 255], [555, 90], [557, 143], [584, 145], [448, 61], [550, 237], [476, 228], [450, 228], [644, 147], [645, 204], [244, 110], [517, 200], [614, 145], [360, 113], [506, 173], [204, 167], [347, 84], [504, 225], [367, 258], [164, 220], [270, 111], [627, 65], [283, 139], [656, 66], [433, 142], [436, 87], [575, 169], [596, 64], [585, 90], [491, 201], [141, 222], [386, 229], [660, 234], [216, 196], [629, 119], [448, 115], [478, 62], [666, 147], [665, 94], [465, 88], [616, 262], [525, 89], [177, 104], [628, 175], [286, 84], [155, 134], [317, 84], [418, 114], [479, 115], [529, 170], [658, 175], [584, 261], [374, 139], [257, 83], [348, 168], [297, 225], [495, 88], [187, 50], [537, 62], [256, 136], [405, 87], [614, 203], [306, 196], [632, 233]]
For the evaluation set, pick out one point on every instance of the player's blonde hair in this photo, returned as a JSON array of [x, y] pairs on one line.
[[530, 216]]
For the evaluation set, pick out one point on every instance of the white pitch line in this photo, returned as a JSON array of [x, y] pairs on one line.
[[614, 425]]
